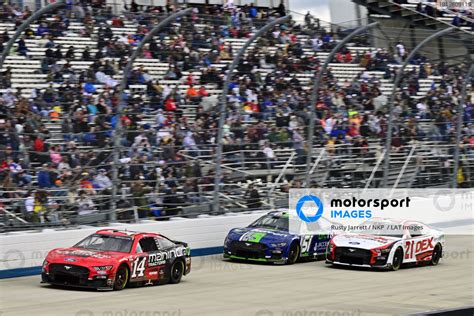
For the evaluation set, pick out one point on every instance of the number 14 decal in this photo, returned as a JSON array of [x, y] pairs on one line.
[[138, 267]]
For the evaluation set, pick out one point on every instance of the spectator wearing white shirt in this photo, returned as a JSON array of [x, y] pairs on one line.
[[30, 204], [400, 48], [85, 204], [102, 181], [268, 151], [422, 108]]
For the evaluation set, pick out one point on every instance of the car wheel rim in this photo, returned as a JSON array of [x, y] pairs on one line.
[[436, 256], [396, 260], [121, 276], [292, 254], [177, 270]]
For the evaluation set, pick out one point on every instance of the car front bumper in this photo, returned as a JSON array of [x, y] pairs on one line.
[[386, 266], [98, 282], [254, 252]]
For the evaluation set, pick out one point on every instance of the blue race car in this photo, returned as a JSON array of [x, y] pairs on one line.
[[268, 239]]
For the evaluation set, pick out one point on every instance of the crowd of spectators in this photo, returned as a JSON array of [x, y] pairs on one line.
[[160, 169]]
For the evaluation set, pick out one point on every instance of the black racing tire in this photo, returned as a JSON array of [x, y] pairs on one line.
[[293, 253], [437, 251], [121, 278], [397, 259], [176, 271]]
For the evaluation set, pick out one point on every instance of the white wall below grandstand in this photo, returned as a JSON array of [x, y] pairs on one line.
[[28, 249]]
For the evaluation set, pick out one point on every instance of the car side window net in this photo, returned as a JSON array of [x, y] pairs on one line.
[[148, 244]]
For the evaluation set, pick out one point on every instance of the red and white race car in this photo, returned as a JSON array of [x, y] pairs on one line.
[[112, 259], [388, 244]]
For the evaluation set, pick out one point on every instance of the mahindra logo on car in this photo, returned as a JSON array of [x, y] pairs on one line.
[[159, 258], [67, 267], [354, 242], [351, 250]]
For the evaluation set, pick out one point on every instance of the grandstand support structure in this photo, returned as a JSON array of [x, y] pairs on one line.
[[404, 167], [277, 180], [460, 113], [315, 93], [223, 104], [24, 25], [398, 78], [374, 170], [122, 102]]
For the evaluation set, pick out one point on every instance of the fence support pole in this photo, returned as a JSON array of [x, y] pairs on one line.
[[315, 92], [223, 104], [122, 103], [460, 113], [398, 78], [27, 23]]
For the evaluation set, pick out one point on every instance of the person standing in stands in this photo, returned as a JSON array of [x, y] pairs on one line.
[[133, 7], [22, 49], [281, 9], [252, 197], [400, 48], [253, 11], [31, 215], [308, 19]]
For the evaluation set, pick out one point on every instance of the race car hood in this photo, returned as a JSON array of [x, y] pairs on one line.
[[84, 257], [259, 235], [363, 241]]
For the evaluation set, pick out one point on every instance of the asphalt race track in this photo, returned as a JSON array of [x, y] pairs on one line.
[[217, 287]]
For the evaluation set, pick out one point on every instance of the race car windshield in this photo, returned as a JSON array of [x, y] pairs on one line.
[[379, 229], [106, 243], [272, 222]]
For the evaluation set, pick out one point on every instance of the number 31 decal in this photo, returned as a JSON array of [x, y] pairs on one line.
[[138, 267]]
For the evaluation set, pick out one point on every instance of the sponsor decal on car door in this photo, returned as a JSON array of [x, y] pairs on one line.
[[418, 249]]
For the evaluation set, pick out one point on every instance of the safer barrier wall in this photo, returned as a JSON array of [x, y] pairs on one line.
[[22, 253]]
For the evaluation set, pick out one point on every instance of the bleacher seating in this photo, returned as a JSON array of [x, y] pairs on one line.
[[338, 164]]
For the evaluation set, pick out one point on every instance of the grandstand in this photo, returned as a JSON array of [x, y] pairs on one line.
[[60, 94]]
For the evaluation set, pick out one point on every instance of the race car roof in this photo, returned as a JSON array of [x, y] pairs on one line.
[[388, 220], [280, 213], [123, 233]]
